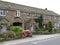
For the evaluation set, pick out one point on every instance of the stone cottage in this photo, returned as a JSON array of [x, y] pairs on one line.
[[21, 15]]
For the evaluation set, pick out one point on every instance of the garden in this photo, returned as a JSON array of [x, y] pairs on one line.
[[49, 29], [15, 32]]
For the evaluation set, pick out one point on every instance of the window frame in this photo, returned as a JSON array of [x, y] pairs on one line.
[[17, 13], [2, 12]]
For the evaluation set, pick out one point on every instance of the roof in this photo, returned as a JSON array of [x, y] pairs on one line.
[[13, 6]]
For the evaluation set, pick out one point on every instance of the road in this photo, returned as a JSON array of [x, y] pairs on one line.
[[50, 41]]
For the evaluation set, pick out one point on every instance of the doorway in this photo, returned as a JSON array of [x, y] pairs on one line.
[[17, 24]]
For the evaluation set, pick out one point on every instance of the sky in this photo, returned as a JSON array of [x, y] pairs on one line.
[[53, 5]]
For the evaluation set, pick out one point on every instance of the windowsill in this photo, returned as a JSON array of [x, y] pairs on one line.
[[17, 16], [2, 15]]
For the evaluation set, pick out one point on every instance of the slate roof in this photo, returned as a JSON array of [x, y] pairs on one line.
[[13, 6]]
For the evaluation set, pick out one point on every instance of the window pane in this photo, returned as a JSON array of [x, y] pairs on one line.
[[18, 13], [2, 12]]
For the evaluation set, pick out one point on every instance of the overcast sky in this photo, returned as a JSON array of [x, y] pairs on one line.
[[53, 5]]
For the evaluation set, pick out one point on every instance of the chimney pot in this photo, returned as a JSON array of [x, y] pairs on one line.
[[45, 8]]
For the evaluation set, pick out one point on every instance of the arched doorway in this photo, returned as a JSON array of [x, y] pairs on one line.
[[17, 24]]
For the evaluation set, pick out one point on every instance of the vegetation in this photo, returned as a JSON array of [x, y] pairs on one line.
[[14, 32], [0, 28], [49, 29], [40, 21], [16, 29], [27, 33], [50, 26], [9, 34]]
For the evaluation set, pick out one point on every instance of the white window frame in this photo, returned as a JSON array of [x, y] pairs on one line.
[[2, 12], [17, 13]]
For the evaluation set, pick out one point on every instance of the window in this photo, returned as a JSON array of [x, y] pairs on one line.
[[2, 12], [37, 15], [55, 18], [55, 24], [48, 17], [17, 13]]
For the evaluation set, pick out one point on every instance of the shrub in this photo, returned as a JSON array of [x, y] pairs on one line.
[[54, 31], [40, 21], [27, 33], [1, 35], [20, 34], [41, 31], [1, 39], [57, 31], [37, 30], [8, 28], [9, 34], [50, 26], [16, 29]]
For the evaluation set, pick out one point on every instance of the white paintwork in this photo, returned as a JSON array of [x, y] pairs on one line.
[[32, 28], [18, 13]]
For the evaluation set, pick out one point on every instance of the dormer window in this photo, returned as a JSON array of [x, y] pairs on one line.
[[17, 13], [2, 12]]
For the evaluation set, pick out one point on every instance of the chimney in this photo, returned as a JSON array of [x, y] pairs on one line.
[[45, 8]]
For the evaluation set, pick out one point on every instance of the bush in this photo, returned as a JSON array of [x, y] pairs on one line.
[[37, 30], [9, 34], [27, 33], [41, 31], [54, 31], [1, 35], [57, 31], [1, 39], [16, 29], [20, 35], [8, 28], [50, 26]]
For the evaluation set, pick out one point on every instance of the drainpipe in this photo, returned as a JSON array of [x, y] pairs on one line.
[[23, 25]]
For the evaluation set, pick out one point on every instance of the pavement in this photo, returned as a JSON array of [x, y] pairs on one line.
[[34, 38]]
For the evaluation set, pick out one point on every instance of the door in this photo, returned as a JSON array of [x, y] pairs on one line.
[[4, 28]]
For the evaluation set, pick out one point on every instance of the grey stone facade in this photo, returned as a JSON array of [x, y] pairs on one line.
[[25, 15]]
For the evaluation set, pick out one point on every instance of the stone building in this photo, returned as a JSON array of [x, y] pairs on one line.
[[20, 15]]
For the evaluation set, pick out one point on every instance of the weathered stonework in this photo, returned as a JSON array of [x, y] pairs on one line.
[[27, 15]]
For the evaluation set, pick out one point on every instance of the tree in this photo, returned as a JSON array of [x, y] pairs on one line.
[[50, 26], [40, 21]]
